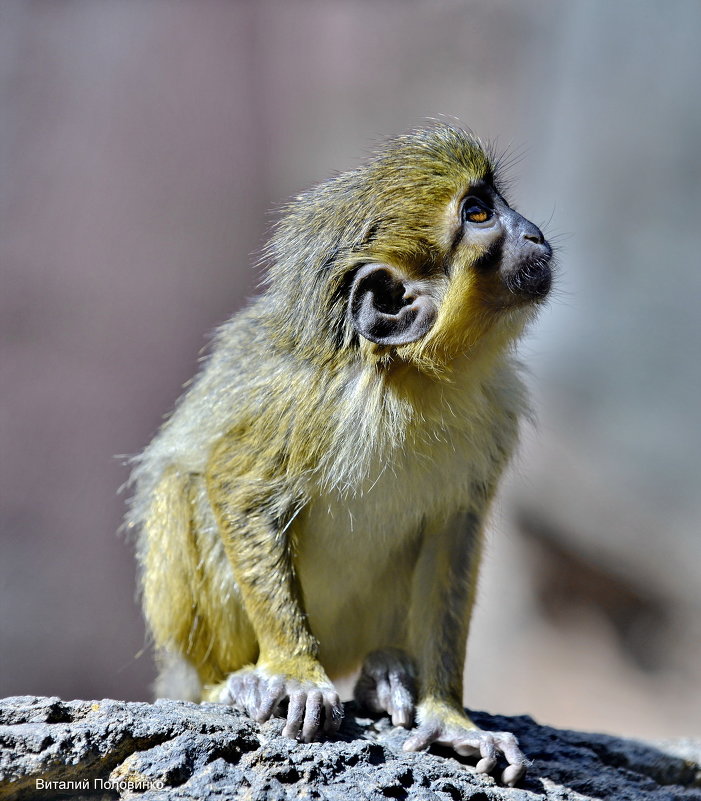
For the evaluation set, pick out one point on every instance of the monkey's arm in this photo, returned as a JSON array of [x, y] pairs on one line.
[[252, 516], [443, 594]]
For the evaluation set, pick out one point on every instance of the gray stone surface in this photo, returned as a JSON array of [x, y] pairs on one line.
[[51, 748]]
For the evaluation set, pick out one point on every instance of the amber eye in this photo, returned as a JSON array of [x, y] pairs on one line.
[[476, 211]]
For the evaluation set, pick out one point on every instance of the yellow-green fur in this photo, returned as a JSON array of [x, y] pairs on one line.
[[306, 456]]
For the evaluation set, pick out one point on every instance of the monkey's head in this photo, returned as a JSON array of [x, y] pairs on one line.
[[415, 256]]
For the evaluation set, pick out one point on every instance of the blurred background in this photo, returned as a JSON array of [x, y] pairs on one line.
[[142, 149]]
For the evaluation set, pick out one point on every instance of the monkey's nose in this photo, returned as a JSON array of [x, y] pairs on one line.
[[533, 243], [532, 233]]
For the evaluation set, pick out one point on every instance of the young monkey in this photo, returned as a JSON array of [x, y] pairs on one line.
[[317, 500]]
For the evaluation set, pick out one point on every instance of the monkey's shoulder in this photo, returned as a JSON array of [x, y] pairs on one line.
[[252, 397]]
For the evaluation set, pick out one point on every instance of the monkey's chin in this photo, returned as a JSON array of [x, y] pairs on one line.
[[517, 305], [512, 315]]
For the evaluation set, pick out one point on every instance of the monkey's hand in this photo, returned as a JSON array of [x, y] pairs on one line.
[[313, 705], [443, 724], [387, 683]]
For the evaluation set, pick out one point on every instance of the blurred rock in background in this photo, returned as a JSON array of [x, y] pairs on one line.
[[142, 147]]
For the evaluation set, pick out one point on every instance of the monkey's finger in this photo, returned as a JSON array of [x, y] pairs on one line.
[[234, 687], [239, 692], [249, 693], [383, 691], [333, 713], [513, 774], [488, 751], [313, 713], [270, 697], [422, 738], [508, 745], [401, 705], [295, 714]]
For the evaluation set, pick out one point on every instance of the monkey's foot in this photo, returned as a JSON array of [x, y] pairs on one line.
[[446, 726], [312, 706], [387, 683]]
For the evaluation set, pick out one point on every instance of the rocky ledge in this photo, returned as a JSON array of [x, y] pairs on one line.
[[51, 748]]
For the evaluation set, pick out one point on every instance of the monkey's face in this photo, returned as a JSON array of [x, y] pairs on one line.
[[514, 257], [492, 269]]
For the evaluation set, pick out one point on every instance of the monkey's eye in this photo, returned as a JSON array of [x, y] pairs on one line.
[[475, 210]]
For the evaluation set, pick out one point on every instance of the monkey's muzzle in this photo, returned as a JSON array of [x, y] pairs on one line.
[[525, 265]]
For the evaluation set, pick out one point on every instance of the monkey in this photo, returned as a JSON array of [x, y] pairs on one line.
[[316, 502]]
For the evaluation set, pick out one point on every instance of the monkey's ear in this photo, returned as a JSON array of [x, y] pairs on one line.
[[388, 308]]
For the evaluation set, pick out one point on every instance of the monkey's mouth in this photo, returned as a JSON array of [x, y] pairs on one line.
[[531, 280]]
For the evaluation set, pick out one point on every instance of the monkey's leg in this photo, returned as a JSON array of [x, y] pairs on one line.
[[288, 668], [387, 683], [443, 594]]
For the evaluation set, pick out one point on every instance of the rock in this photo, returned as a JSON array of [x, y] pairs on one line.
[[178, 750]]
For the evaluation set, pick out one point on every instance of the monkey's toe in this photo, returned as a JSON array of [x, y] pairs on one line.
[[467, 740], [387, 683]]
